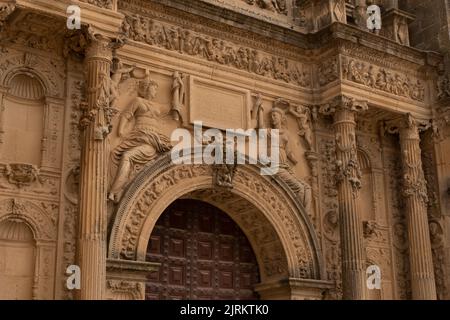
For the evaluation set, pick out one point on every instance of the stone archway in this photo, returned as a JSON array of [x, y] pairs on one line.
[[273, 220]]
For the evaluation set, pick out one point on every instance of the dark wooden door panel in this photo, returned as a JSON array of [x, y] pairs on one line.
[[203, 255]]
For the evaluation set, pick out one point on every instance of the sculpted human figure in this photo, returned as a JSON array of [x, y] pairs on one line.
[[144, 143], [117, 72], [300, 188], [178, 95], [258, 112], [303, 116]]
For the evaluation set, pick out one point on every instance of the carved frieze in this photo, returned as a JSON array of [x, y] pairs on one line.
[[328, 71], [35, 31], [375, 77], [185, 41], [278, 6], [107, 4]]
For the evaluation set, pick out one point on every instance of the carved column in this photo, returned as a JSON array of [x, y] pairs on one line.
[[348, 184], [415, 197], [93, 178]]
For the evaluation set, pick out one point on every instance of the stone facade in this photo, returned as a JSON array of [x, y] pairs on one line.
[[86, 123]]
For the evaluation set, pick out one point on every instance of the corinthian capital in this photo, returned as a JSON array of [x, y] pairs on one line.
[[343, 102], [89, 42], [408, 125]]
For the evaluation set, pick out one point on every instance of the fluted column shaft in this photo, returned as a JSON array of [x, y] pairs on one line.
[[93, 183], [348, 183], [415, 197]]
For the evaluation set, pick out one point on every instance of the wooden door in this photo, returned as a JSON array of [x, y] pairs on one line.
[[203, 255]]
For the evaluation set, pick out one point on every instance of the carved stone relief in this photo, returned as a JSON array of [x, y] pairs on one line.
[[107, 4], [43, 222], [329, 209], [278, 122], [124, 290], [184, 41], [434, 214], [278, 6], [71, 174], [35, 31], [328, 71], [443, 87], [383, 79], [125, 236], [143, 143], [5, 10], [399, 231]]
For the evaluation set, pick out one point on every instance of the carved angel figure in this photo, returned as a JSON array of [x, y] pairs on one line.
[[178, 95], [144, 143], [303, 116], [300, 188], [117, 73], [258, 112]]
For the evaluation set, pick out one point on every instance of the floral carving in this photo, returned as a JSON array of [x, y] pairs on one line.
[[132, 288], [22, 174]]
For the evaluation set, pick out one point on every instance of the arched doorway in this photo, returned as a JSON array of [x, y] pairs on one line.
[[267, 211], [203, 255]]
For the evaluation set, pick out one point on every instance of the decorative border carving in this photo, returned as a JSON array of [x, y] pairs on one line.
[[387, 80], [185, 41], [155, 182], [43, 226], [46, 70]]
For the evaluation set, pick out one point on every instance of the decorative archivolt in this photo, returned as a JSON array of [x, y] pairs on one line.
[[280, 231], [36, 67], [37, 219]]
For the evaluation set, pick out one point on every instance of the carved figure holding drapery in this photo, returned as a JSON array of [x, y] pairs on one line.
[[258, 112], [303, 116], [117, 73], [178, 95], [299, 187], [144, 143]]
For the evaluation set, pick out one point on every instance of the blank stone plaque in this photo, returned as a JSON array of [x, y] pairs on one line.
[[218, 105]]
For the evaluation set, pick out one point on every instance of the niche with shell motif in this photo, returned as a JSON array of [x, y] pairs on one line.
[[23, 116]]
